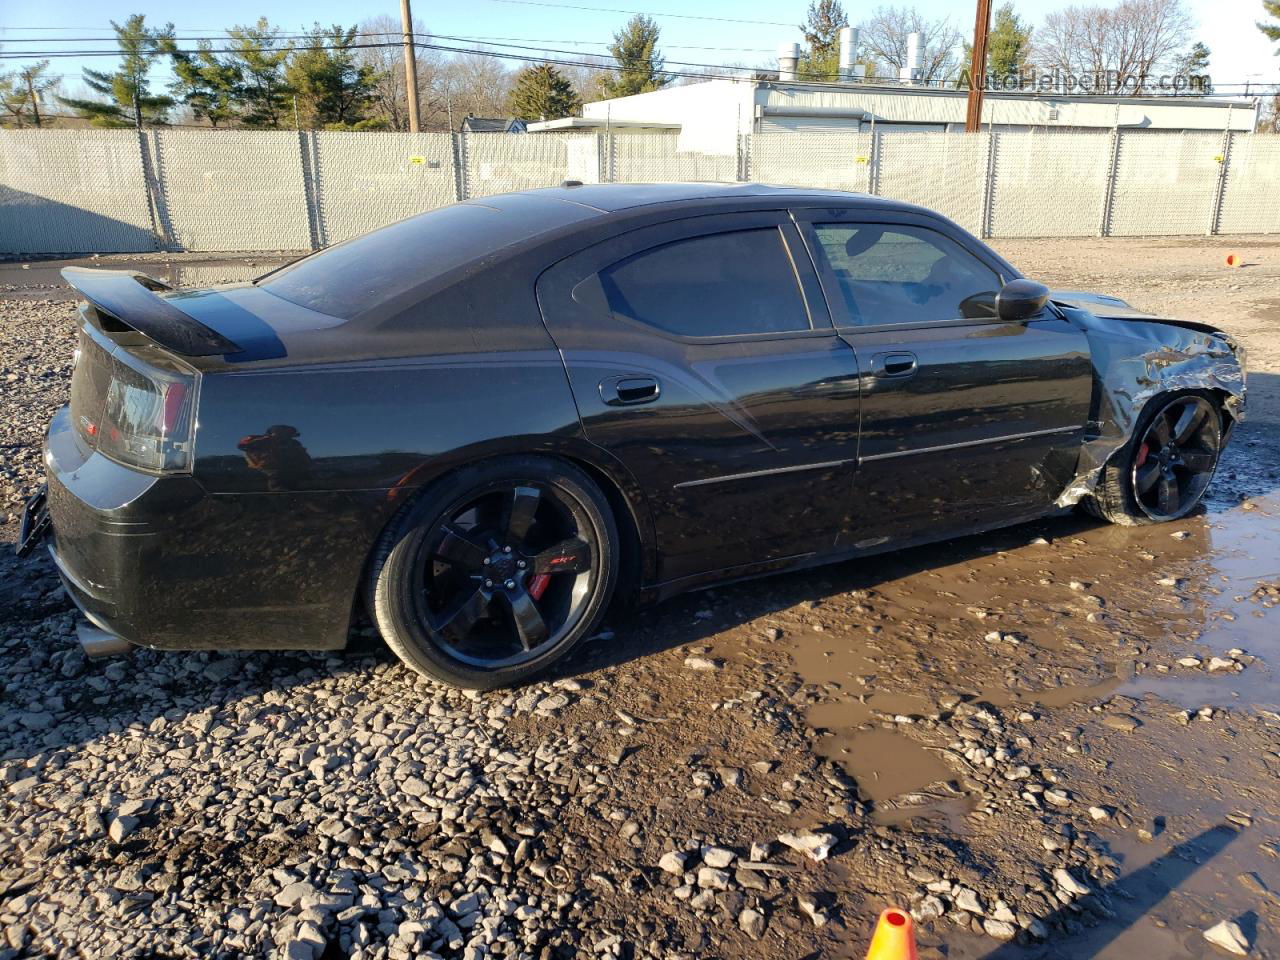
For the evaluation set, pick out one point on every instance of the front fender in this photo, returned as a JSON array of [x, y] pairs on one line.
[[1135, 360]]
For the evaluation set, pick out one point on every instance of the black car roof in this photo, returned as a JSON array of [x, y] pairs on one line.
[[617, 197], [391, 269]]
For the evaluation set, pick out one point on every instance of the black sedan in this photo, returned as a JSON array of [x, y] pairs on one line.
[[484, 422]]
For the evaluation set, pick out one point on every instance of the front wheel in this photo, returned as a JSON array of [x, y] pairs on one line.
[[1165, 469], [495, 572]]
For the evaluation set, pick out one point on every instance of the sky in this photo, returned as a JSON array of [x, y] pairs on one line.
[[703, 31]]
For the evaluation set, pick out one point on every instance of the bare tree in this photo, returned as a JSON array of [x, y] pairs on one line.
[[588, 77], [1269, 120], [1125, 47], [473, 84], [738, 69], [884, 38], [387, 63]]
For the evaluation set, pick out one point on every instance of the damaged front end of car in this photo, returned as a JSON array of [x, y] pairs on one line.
[[1138, 356]]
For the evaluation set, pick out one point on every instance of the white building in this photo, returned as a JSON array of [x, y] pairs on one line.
[[710, 115]]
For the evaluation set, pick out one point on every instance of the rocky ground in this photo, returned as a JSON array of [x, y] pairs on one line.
[[1058, 740]]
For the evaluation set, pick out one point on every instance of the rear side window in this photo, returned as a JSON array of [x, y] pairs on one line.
[[888, 273], [723, 284], [382, 272]]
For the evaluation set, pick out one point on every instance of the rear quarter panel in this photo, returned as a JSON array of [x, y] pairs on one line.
[[305, 463]]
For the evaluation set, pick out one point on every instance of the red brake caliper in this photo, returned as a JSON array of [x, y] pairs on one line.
[[1142, 455], [538, 585]]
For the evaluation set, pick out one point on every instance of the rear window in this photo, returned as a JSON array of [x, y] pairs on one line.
[[370, 274]]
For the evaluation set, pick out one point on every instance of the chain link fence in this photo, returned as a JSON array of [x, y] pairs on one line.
[[1050, 185], [361, 181], [1165, 183], [942, 171], [1250, 201], [63, 191], [230, 190], [831, 161], [101, 191]]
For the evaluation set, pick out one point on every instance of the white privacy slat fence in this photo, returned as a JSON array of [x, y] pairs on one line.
[[1165, 183], [101, 191], [942, 171], [61, 190]]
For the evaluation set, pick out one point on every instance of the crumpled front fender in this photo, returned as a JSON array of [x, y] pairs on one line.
[[1135, 359]]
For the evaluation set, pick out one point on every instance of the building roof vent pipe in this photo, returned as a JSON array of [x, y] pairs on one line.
[[788, 61], [913, 69], [848, 54]]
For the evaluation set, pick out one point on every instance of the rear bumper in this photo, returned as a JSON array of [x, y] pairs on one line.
[[160, 562], [108, 522]]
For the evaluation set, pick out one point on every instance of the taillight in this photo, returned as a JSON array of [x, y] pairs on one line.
[[175, 405], [135, 405]]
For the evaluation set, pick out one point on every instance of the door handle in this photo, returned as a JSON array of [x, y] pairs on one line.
[[628, 391], [893, 364]]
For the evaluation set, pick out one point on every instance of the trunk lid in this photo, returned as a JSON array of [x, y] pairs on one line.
[[232, 324]]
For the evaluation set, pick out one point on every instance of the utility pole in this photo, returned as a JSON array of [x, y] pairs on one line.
[[978, 68], [410, 66]]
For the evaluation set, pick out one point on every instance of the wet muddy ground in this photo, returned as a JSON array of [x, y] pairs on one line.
[[1059, 740]]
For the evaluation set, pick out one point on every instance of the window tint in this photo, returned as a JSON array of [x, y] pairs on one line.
[[898, 274], [377, 274], [724, 284]]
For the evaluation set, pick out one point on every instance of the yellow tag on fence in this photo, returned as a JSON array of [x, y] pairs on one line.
[[418, 160]]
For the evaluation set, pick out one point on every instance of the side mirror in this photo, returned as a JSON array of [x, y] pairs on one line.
[[1020, 300]]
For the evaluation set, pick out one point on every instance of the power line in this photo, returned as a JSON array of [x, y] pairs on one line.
[[378, 33], [66, 54], [701, 74], [529, 3]]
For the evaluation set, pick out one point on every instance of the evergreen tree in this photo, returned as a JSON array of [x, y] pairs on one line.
[[23, 90], [13, 97], [1009, 42], [635, 47], [207, 84], [130, 101], [334, 90], [821, 58], [1272, 30], [542, 93], [1008, 46], [265, 98], [1195, 66]]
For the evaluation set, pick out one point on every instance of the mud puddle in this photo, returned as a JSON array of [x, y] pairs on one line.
[[1040, 618], [1241, 619], [41, 280]]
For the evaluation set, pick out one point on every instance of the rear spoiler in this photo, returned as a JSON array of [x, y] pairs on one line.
[[133, 299]]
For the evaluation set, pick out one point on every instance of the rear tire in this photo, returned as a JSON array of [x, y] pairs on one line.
[[495, 572], [1162, 473]]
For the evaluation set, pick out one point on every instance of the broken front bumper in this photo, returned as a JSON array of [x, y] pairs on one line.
[[1136, 359]]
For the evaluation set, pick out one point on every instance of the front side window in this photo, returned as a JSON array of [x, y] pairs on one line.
[[720, 285], [889, 273]]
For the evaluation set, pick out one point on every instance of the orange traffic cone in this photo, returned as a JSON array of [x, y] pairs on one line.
[[1233, 260], [895, 937]]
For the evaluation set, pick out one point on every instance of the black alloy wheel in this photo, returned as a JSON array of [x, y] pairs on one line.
[[507, 574], [1176, 457], [496, 571]]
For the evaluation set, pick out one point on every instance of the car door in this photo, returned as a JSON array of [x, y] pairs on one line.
[[702, 356], [967, 421]]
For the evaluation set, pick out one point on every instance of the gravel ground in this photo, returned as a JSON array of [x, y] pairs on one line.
[[1023, 737]]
